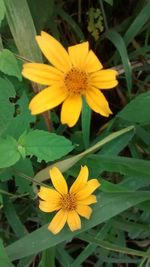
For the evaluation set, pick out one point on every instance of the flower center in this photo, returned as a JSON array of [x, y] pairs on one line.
[[76, 81], [68, 202]]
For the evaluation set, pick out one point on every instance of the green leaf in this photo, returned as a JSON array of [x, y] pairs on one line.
[[48, 258], [138, 110], [13, 218], [113, 247], [22, 121], [7, 108], [46, 11], [119, 43], [4, 260], [46, 146], [123, 165], [22, 28], [86, 123], [42, 239], [65, 164], [9, 152], [117, 145], [9, 64], [23, 166], [137, 24], [110, 2], [2, 10], [69, 20]]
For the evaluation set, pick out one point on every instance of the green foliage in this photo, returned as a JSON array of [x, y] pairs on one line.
[[23, 185], [7, 91], [9, 152], [41, 239], [20, 21], [4, 260], [137, 110], [21, 122], [118, 41], [2, 10], [8, 64], [115, 149], [45, 146]]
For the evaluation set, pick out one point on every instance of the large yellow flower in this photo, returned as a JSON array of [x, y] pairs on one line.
[[69, 204], [74, 74]]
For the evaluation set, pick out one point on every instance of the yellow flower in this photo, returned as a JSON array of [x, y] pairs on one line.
[[74, 74], [68, 204]]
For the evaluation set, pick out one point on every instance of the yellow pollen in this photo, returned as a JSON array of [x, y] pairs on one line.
[[76, 81], [68, 202]]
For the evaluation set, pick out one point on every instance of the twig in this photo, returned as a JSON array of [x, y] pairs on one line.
[[134, 65], [32, 180]]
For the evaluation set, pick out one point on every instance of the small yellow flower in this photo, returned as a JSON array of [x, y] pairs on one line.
[[69, 204], [74, 74]]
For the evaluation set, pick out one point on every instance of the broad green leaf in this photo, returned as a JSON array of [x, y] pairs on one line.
[[6, 107], [86, 123], [64, 165], [2, 10], [117, 145], [134, 183], [9, 152], [23, 118], [119, 43], [108, 206], [22, 28], [4, 260], [46, 146], [9, 64], [138, 110], [123, 165]]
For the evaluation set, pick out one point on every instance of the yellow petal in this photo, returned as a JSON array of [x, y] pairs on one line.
[[48, 194], [92, 63], [58, 222], [90, 187], [84, 211], [87, 201], [54, 51], [58, 180], [41, 73], [80, 181], [71, 110], [49, 206], [78, 54], [47, 99], [73, 220], [103, 79], [97, 102]]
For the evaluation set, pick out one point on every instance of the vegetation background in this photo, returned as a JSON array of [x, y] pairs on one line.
[[116, 150]]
